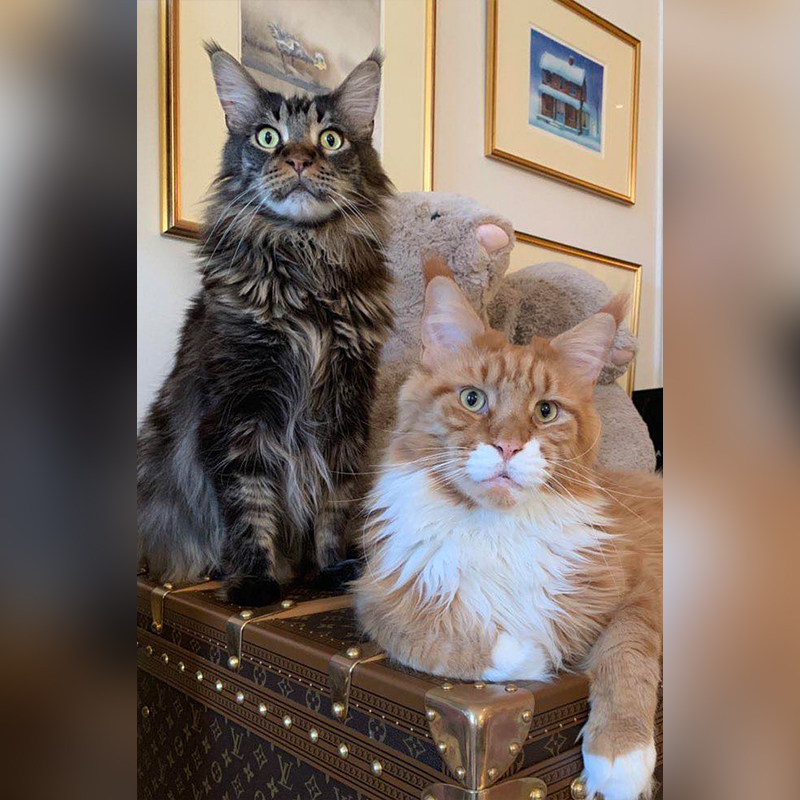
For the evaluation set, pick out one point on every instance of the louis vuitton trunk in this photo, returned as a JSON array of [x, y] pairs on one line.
[[287, 703]]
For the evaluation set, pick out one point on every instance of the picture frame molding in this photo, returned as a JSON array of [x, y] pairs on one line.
[[491, 150], [578, 252], [172, 222]]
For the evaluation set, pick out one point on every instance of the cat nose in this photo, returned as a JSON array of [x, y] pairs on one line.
[[299, 163], [507, 449]]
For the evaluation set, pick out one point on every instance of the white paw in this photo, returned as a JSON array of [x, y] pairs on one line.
[[515, 659], [624, 778]]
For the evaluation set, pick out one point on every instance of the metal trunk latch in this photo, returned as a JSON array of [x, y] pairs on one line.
[[479, 729], [340, 672], [160, 592]]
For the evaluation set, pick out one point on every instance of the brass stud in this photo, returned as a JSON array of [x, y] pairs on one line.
[[168, 586], [430, 714], [181, 666], [287, 603], [240, 697], [156, 627], [511, 688], [447, 686], [352, 652], [145, 711], [526, 716], [219, 686], [138, 644], [492, 773], [233, 662], [377, 768], [199, 676], [313, 734], [578, 788], [344, 750], [165, 658], [287, 722], [148, 650], [461, 773], [480, 685], [441, 747], [513, 748], [246, 614], [537, 794], [429, 797], [338, 709], [262, 709]]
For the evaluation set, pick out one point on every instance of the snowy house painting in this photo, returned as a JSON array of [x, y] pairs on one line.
[[566, 92]]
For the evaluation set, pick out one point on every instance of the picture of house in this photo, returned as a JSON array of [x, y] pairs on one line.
[[566, 92]]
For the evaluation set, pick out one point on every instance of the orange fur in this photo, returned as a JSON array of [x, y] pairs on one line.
[[608, 620]]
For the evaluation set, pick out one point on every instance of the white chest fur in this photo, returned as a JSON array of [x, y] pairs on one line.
[[508, 567]]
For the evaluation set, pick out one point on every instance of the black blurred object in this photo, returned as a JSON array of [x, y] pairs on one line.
[[650, 404]]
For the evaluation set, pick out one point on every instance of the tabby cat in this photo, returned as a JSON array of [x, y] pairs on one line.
[[247, 455], [497, 550]]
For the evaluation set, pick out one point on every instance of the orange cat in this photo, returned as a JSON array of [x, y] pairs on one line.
[[497, 550]]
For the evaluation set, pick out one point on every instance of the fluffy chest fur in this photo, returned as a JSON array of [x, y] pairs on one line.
[[513, 574]]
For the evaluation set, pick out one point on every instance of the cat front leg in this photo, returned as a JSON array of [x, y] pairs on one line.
[[619, 751], [250, 557], [330, 526]]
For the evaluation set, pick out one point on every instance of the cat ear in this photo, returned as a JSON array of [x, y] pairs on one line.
[[238, 92], [357, 96], [585, 347], [449, 322]]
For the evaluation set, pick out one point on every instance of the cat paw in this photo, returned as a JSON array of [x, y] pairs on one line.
[[625, 777], [513, 659], [337, 576], [253, 591]]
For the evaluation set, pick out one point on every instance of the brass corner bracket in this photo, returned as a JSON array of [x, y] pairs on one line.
[[160, 592], [516, 789], [340, 672], [479, 729], [236, 623]]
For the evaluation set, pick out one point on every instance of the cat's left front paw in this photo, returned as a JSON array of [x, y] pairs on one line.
[[623, 777]]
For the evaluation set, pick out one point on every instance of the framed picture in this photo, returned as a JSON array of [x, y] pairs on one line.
[[562, 94], [618, 275], [290, 46]]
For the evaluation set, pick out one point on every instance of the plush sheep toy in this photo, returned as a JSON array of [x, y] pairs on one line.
[[542, 300]]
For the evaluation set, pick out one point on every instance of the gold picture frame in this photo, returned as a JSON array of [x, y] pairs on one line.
[[624, 188], [597, 264], [174, 219]]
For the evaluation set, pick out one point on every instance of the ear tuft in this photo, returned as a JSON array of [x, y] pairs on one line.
[[238, 92], [434, 265], [449, 323], [585, 347], [617, 307], [357, 96]]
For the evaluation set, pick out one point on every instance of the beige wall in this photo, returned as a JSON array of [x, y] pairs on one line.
[[536, 204], [166, 271]]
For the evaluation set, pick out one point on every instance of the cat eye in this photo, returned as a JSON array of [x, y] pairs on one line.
[[545, 411], [472, 399], [267, 138], [331, 139]]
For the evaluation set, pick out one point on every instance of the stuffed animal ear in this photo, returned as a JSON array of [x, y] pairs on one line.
[[357, 96], [449, 323], [491, 237], [585, 347], [618, 308], [238, 92]]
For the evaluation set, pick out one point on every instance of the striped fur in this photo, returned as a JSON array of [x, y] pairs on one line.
[[497, 550], [247, 456]]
